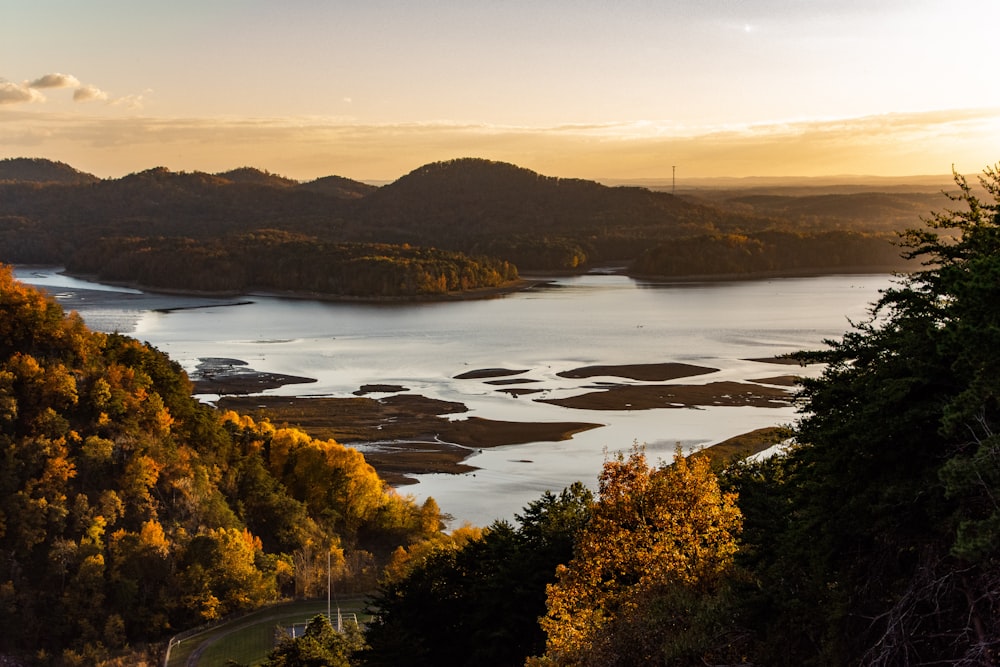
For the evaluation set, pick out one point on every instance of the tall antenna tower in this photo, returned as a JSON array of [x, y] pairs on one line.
[[673, 183]]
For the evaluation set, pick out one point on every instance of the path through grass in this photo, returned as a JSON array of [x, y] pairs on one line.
[[247, 639]]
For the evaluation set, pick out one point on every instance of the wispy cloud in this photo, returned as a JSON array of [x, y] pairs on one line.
[[55, 80], [88, 93], [127, 101]]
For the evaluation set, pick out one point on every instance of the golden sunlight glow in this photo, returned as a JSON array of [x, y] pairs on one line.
[[595, 91]]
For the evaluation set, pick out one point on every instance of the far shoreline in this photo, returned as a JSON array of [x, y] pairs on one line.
[[856, 270], [527, 282], [518, 285]]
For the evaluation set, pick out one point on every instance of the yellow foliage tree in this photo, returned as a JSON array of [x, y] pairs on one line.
[[404, 559], [651, 529]]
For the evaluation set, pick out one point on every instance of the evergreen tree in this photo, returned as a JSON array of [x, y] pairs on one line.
[[479, 604], [880, 540]]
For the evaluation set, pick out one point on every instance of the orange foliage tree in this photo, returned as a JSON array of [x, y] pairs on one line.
[[653, 532]]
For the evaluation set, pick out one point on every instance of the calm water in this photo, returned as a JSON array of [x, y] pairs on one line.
[[584, 320]]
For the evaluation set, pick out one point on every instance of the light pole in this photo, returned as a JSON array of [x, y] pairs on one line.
[[329, 593]]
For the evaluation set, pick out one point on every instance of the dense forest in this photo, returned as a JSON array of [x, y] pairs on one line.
[[771, 252], [129, 510], [492, 218], [287, 262]]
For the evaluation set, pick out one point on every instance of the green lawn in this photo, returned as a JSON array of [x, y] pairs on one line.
[[247, 639]]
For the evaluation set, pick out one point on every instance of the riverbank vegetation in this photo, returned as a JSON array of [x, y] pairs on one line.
[[289, 263]]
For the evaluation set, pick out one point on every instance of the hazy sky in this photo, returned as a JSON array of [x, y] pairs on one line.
[[371, 89]]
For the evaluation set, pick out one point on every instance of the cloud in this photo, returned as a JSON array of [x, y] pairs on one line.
[[18, 93], [28, 91], [128, 101], [88, 93], [55, 80]]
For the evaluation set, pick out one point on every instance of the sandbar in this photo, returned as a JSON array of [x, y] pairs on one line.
[[644, 372], [785, 360], [779, 380], [221, 375], [379, 389], [647, 397], [744, 445], [404, 434], [484, 373]]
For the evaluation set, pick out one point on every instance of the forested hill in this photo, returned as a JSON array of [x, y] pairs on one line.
[[130, 511], [471, 197], [475, 207], [340, 187], [535, 221], [38, 170]]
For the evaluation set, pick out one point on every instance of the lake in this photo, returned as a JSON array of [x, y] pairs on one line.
[[567, 323]]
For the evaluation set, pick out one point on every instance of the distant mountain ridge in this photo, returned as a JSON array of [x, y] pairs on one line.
[[40, 170], [340, 187], [505, 198], [472, 206], [257, 177]]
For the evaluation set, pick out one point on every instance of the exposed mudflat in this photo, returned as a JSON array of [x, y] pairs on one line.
[[403, 434]]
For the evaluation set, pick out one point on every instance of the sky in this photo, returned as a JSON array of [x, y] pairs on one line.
[[616, 89]]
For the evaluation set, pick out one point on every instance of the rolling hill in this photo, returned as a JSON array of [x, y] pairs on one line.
[[471, 206]]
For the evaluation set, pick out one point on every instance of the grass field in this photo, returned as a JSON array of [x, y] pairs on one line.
[[247, 639]]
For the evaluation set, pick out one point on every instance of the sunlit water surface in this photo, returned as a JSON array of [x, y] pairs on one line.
[[576, 321]]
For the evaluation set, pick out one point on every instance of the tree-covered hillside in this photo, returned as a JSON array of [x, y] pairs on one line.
[[37, 170], [272, 260], [130, 511], [475, 207]]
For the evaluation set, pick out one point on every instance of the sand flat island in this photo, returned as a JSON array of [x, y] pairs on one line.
[[644, 372], [648, 397]]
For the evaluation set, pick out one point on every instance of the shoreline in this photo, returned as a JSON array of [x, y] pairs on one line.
[[524, 283], [519, 285], [854, 270]]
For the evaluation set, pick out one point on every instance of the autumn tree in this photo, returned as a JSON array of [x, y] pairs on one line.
[[128, 509], [656, 536]]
